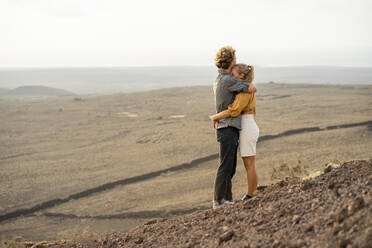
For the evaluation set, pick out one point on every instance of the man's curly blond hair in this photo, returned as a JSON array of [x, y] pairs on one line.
[[224, 57]]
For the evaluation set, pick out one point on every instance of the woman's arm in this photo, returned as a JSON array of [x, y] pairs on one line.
[[234, 109], [241, 101], [223, 114]]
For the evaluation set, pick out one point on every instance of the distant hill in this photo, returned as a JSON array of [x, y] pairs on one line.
[[3, 91], [35, 90]]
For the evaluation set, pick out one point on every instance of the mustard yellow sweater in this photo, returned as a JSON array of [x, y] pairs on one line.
[[244, 103]]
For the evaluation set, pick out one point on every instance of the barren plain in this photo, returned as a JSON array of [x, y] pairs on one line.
[[70, 165]]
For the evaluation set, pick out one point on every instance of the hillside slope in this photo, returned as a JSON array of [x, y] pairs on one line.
[[331, 210]]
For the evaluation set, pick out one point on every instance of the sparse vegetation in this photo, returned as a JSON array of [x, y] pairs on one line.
[[17, 242], [282, 171]]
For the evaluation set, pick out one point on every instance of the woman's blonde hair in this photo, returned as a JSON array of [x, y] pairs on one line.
[[247, 70], [224, 57]]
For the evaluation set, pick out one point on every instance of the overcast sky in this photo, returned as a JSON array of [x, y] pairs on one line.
[[169, 32]]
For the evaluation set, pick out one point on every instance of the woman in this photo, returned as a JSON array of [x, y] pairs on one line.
[[245, 104]]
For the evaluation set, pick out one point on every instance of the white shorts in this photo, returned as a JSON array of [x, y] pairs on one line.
[[248, 136]]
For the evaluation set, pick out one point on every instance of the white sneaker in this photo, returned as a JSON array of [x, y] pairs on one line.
[[216, 205], [227, 202], [223, 202]]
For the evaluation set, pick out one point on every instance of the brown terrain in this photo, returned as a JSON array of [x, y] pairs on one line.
[[97, 165], [330, 210]]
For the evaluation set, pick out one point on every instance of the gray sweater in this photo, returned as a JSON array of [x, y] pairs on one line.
[[225, 89]]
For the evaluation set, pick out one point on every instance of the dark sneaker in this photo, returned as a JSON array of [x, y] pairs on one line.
[[246, 197]]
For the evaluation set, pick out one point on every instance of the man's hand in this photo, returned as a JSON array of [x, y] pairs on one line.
[[252, 88]]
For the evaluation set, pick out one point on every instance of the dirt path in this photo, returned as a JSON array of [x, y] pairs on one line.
[[331, 210]]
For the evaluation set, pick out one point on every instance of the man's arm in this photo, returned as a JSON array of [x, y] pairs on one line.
[[235, 85]]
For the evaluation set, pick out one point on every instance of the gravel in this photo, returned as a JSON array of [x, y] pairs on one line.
[[331, 210]]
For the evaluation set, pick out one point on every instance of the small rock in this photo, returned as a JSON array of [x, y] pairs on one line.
[[314, 204], [127, 238], [308, 184], [351, 230], [226, 236], [342, 215], [328, 169], [42, 244], [138, 240], [336, 228], [337, 192], [277, 244], [369, 181], [309, 228], [150, 222], [296, 219], [28, 244], [355, 205], [342, 243], [332, 185], [225, 228], [282, 183]]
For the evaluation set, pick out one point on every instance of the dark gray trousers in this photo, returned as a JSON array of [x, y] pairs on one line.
[[229, 139]]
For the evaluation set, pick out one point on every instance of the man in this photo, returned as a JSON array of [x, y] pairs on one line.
[[225, 88]]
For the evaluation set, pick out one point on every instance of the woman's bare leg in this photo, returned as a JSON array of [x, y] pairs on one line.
[[252, 180]]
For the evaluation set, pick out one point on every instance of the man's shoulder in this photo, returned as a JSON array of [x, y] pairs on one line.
[[227, 78]]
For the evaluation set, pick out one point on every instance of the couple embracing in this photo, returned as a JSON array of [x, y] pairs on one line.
[[235, 124]]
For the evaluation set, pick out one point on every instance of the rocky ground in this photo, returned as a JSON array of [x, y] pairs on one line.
[[330, 210]]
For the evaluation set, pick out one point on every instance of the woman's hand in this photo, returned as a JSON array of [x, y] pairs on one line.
[[252, 88], [215, 122]]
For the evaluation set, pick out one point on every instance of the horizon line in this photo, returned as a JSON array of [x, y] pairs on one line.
[[149, 66]]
